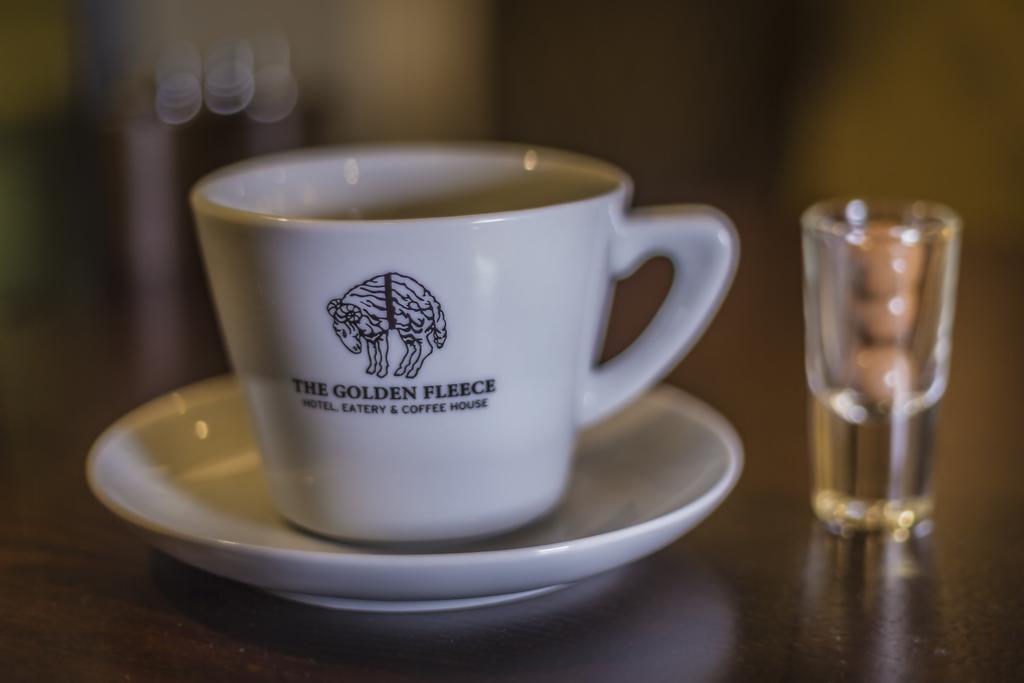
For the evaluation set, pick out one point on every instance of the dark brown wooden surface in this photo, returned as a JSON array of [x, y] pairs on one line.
[[758, 592]]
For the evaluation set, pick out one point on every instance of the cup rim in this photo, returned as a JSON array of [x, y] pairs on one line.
[[203, 204], [931, 219]]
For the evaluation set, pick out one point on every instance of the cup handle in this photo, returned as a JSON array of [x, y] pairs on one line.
[[702, 245]]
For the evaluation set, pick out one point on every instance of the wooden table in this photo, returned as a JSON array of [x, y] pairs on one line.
[[757, 592]]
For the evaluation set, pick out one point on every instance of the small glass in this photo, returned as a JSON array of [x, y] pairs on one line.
[[879, 290]]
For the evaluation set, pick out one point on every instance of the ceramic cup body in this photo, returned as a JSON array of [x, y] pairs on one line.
[[415, 327]]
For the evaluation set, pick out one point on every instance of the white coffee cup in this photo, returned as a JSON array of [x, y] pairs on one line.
[[415, 326]]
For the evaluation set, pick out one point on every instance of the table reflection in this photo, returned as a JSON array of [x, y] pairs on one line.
[[865, 604], [669, 617]]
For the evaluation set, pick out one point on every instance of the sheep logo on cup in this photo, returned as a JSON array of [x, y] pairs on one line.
[[392, 301]]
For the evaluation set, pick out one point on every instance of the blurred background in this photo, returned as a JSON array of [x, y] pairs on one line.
[[110, 109]]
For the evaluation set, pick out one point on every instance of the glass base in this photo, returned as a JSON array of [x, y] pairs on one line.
[[846, 515]]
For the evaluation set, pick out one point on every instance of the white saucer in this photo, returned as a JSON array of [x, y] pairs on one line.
[[184, 470]]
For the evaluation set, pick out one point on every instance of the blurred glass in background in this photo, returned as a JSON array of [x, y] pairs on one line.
[[110, 109]]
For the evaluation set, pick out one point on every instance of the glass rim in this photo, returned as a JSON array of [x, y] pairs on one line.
[[841, 216]]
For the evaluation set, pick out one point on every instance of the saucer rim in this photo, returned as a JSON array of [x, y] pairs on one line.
[[168, 405]]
